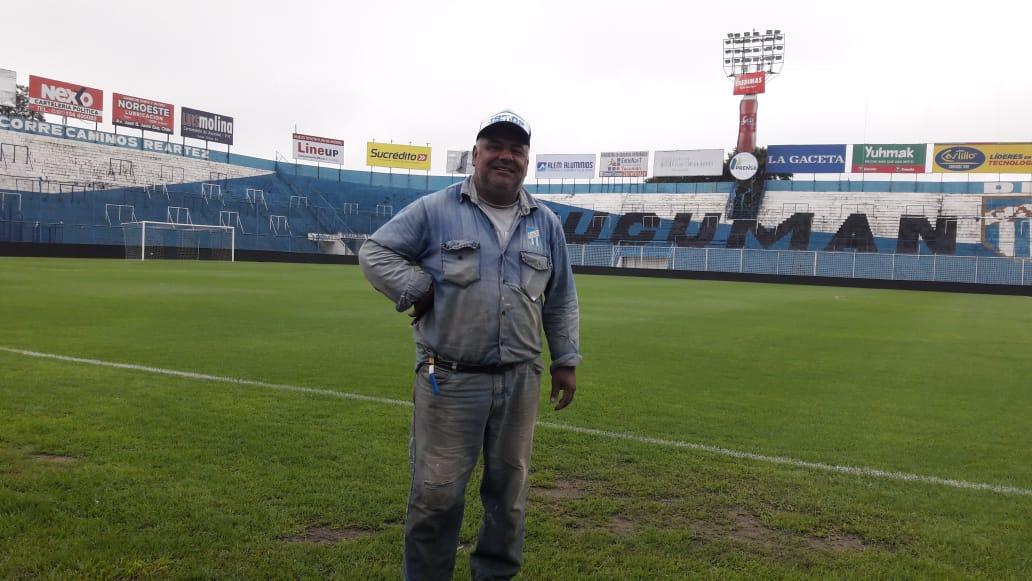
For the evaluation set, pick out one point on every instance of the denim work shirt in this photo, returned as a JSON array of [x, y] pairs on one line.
[[490, 302]]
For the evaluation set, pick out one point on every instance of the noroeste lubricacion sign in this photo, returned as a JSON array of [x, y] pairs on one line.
[[982, 158]]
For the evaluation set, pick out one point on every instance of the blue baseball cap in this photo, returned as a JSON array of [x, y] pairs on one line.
[[506, 118]]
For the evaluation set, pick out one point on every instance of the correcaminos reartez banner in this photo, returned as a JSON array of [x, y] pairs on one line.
[[142, 114], [806, 158], [65, 99], [557, 166], [694, 162], [320, 149], [207, 126]]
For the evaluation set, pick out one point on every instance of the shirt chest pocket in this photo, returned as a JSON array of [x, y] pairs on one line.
[[536, 270], [460, 262]]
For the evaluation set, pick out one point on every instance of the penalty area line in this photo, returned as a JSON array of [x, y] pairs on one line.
[[716, 450]]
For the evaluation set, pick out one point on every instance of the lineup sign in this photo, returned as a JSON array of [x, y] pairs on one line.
[[65, 99], [320, 149]]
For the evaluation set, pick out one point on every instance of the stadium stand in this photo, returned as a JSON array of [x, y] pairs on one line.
[[62, 191]]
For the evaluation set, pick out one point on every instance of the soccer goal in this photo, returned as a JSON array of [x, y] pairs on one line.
[[167, 240]]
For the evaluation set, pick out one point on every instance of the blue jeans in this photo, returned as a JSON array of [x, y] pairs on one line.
[[475, 411]]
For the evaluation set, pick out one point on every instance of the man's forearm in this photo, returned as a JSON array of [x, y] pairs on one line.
[[391, 274]]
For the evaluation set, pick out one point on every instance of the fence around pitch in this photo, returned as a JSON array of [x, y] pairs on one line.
[[906, 267]]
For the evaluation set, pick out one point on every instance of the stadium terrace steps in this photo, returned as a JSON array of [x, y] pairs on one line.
[[94, 166]]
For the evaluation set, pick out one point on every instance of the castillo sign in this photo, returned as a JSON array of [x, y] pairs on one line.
[[982, 158], [889, 157], [400, 156], [65, 99], [142, 113], [750, 83]]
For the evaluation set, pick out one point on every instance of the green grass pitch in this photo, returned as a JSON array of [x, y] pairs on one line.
[[110, 472]]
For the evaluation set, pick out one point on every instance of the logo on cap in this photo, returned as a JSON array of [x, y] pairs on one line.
[[506, 116]]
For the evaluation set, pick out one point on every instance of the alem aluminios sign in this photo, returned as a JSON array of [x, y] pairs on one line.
[[564, 166]]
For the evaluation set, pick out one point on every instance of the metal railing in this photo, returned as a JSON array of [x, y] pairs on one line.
[[907, 267]]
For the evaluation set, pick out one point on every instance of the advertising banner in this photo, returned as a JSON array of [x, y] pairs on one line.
[[207, 126], [399, 156], [750, 83], [743, 165], [564, 166], [65, 99], [459, 161], [697, 162], [142, 113], [982, 158], [22, 125], [321, 149], [8, 88], [623, 164], [889, 157], [806, 159]]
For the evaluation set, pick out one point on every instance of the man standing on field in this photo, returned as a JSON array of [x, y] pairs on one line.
[[485, 268]]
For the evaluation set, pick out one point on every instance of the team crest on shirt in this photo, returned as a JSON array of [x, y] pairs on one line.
[[533, 236]]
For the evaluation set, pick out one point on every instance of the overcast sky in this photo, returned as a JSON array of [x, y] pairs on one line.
[[589, 76]]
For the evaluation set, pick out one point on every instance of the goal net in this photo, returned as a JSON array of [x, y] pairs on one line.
[[168, 240]]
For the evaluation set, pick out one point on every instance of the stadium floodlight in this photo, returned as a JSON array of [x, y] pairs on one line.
[[766, 52]]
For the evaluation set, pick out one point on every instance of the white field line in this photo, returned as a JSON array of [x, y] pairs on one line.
[[851, 470]]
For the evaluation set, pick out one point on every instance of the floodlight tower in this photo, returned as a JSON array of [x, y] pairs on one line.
[[750, 58]]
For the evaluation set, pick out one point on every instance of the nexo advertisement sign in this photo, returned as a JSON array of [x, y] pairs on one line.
[[400, 156], [207, 126], [65, 99], [142, 114], [806, 158], [889, 157], [982, 158]]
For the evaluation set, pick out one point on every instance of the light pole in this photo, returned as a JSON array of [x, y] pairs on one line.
[[750, 58]]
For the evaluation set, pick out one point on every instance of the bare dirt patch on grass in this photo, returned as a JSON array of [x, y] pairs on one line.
[[326, 535], [49, 458], [563, 489], [746, 527], [620, 525]]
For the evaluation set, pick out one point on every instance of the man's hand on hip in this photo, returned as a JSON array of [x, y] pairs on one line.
[[423, 305], [563, 379]]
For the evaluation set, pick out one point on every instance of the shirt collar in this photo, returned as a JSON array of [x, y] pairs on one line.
[[526, 202]]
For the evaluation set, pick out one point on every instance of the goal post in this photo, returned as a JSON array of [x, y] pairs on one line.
[[146, 240]]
